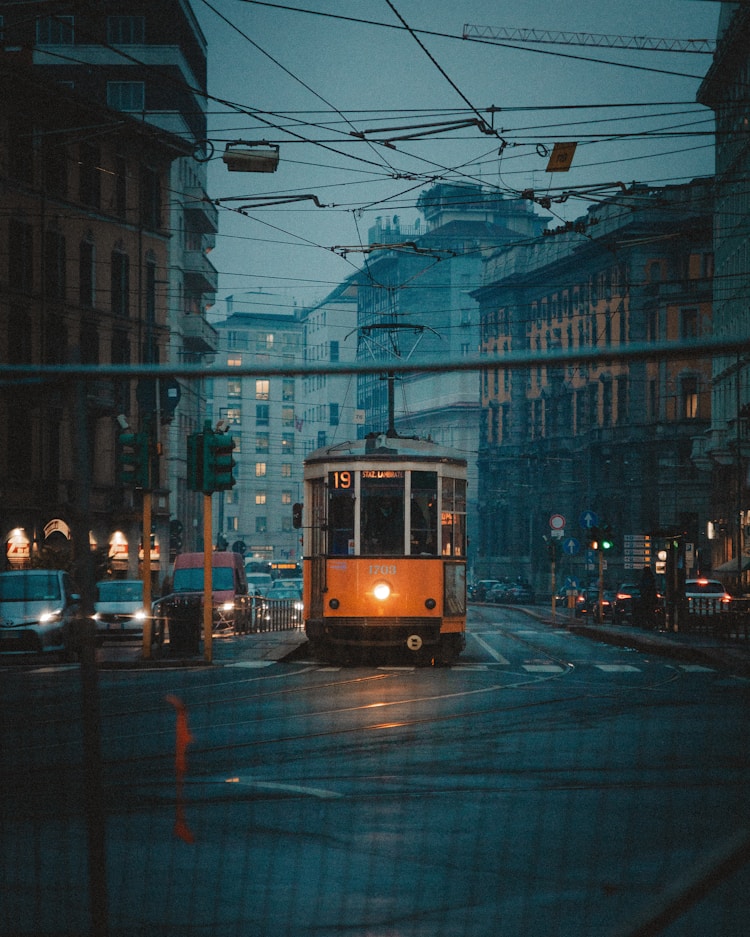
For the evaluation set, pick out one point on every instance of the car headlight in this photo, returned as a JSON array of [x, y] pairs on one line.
[[53, 615], [141, 614]]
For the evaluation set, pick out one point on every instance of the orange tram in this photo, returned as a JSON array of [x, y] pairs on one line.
[[384, 548]]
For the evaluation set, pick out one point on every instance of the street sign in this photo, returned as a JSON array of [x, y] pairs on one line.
[[557, 522], [636, 551], [588, 519], [571, 546]]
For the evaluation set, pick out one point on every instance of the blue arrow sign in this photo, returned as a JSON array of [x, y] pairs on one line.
[[571, 546], [589, 519]]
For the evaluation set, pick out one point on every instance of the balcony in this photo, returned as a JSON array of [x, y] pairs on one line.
[[202, 214], [200, 273], [198, 335]]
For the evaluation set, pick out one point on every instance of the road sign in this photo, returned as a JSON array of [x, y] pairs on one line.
[[636, 551], [571, 546], [557, 522], [588, 519]]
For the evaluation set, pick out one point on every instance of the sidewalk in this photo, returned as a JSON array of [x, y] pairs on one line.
[[707, 650], [262, 647]]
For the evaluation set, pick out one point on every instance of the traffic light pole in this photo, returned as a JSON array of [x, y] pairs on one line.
[[208, 589], [147, 624]]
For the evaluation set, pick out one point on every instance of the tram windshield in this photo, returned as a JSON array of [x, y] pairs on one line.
[[382, 493], [398, 513]]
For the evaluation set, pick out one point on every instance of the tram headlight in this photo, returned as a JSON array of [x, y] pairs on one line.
[[381, 591]]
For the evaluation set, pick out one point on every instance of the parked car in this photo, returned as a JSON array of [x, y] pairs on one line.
[[587, 603], [706, 596], [118, 610], [38, 610], [480, 590], [283, 605], [520, 593], [278, 584]]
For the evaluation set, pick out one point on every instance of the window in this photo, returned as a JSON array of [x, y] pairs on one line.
[[232, 415], [690, 397], [286, 469], [287, 443], [287, 416], [234, 387], [19, 336], [150, 198], [321, 438], [689, 323], [262, 442], [126, 30], [120, 284], [286, 497], [86, 274], [261, 525], [260, 497], [234, 361], [89, 174], [126, 95], [20, 256], [262, 389], [334, 351], [54, 265], [150, 289], [333, 414], [121, 186], [260, 469], [262, 414], [55, 30]]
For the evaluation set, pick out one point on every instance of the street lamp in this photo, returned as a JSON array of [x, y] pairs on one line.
[[248, 156]]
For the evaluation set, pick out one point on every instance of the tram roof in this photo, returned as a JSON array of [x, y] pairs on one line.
[[383, 447]]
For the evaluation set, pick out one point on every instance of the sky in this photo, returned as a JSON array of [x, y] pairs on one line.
[[310, 74]]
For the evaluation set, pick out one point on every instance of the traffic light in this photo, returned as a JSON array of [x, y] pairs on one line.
[[195, 462], [600, 538], [135, 463], [297, 516], [217, 462]]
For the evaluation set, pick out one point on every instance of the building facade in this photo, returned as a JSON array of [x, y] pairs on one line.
[[149, 61], [610, 438], [84, 244], [328, 401], [265, 419], [724, 451], [415, 304]]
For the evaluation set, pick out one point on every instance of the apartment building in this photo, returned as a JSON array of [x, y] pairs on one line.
[[84, 245], [607, 437]]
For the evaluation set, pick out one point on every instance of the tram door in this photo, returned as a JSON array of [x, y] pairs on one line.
[[316, 549]]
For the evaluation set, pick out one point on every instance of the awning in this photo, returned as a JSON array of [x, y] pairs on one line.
[[731, 566]]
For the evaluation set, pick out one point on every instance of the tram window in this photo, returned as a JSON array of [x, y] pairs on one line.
[[453, 517], [341, 522], [423, 513], [455, 589], [382, 513]]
